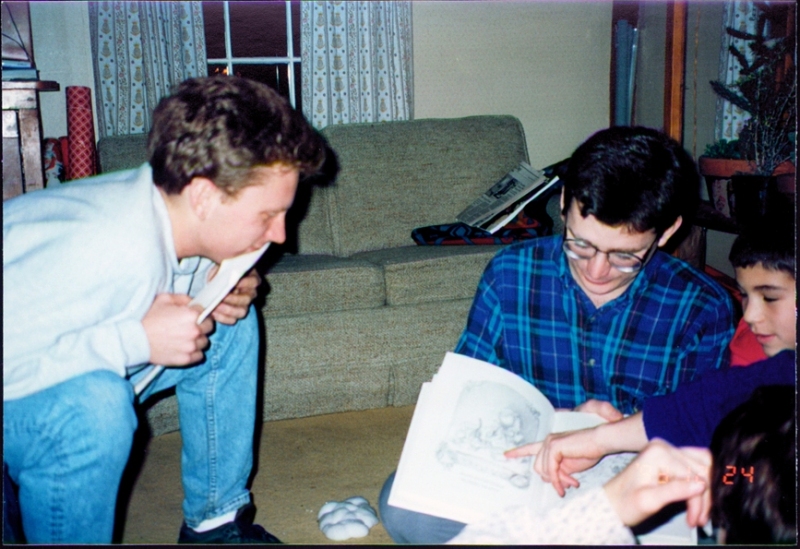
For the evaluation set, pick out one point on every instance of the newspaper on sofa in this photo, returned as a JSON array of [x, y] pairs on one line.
[[506, 198]]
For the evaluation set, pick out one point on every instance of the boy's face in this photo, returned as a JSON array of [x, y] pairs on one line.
[[601, 281], [770, 307], [255, 216]]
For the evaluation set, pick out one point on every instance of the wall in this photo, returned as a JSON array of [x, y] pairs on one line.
[[546, 63], [63, 54], [540, 61]]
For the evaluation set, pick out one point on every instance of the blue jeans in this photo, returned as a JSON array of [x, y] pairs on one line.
[[67, 446], [405, 526]]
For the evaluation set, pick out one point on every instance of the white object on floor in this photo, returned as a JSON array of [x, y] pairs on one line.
[[351, 518]]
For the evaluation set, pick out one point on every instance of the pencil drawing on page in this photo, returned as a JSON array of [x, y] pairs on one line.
[[490, 418]]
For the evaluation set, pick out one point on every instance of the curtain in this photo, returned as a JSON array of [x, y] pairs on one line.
[[742, 16], [356, 62], [141, 50]]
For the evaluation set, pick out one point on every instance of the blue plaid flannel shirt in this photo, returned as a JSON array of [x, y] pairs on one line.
[[531, 317]]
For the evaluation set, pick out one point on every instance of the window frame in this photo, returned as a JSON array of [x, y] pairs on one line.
[[290, 61]]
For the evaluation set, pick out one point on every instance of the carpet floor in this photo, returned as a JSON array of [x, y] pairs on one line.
[[301, 465]]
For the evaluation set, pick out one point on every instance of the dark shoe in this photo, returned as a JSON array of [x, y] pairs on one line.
[[12, 516], [241, 530]]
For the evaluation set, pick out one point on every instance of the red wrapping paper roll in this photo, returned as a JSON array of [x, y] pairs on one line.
[[80, 131]]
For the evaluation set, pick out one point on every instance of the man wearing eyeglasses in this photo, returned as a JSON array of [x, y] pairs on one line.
[[598, 312]]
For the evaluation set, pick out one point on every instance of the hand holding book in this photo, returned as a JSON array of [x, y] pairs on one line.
[[175, 334], [235, 304], [227, 277], [456, 462]]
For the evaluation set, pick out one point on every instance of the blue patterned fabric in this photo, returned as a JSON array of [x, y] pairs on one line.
[[531, 317], [522, 227]]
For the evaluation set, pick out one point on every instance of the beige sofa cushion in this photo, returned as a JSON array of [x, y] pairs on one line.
[[420, 274], [397, 176], [318, 283], [310, 218]]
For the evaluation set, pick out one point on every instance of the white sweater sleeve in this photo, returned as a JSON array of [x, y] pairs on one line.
[[588, 519], [80, 271]]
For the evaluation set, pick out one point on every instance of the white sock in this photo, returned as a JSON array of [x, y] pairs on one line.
[[215, 522]]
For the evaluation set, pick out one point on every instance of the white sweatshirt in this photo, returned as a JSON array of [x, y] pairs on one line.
[[82, 264]]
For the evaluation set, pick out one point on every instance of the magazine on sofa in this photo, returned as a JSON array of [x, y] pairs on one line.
[[506, 198], [452, 464]]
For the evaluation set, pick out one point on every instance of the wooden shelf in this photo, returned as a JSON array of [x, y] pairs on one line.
[[22, 138], [709, 218], [39, 85]]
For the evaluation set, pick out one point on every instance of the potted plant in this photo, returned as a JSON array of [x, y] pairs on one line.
[[767, 90], [719, 162]]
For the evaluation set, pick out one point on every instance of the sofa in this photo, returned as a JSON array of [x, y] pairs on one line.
[[356, 316]]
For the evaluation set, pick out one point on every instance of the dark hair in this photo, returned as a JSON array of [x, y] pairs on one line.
[[221, 127], [632, 176], [757, 437], [770, 243]]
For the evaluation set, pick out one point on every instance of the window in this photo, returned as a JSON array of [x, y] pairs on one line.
[[256, 40]]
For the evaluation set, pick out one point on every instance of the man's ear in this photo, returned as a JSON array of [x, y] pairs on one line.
[[202, 194], [561, 206], [670, 231]]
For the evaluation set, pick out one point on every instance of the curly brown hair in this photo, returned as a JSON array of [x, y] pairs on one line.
[[221, 127]]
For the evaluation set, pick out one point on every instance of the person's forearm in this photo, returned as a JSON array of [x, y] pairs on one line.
[[625, 435]]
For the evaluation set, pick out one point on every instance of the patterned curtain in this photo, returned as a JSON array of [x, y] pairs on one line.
[[356, 62], [742, 16], [141, 50]]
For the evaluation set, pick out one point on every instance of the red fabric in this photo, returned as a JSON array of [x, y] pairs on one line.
[[725, 281], [64, 141], [745, 349], [80, 129]]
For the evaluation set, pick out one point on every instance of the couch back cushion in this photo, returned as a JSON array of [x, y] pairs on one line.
[[396, 176], [121, 152], [393, 178]]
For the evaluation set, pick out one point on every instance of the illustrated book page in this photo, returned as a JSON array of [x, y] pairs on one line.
[[452, 464]]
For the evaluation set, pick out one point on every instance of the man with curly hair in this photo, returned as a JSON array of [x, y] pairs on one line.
[[98, 276]]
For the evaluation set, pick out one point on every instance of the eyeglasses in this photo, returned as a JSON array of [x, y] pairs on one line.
[[624, 262]]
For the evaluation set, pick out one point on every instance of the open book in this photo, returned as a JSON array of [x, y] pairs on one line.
[[506, 198], [452, 464], [227, 276]]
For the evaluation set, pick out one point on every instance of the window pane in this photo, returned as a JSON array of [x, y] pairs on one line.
[[258, 29], [298, 94], [296, 28], [271, 75], [215, 68], [214, 22]]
